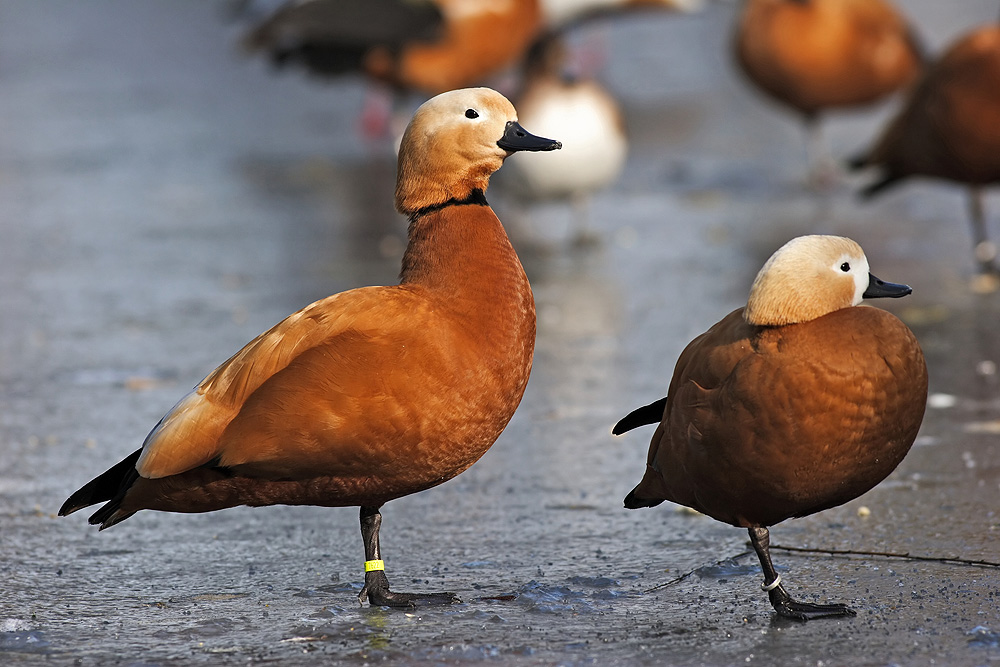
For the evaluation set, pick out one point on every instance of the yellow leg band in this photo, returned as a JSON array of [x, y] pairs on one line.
[[371, 565]]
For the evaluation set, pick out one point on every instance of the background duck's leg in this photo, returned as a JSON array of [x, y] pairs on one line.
[[782, 602], [823, 170], [984, 249], [376, 588]]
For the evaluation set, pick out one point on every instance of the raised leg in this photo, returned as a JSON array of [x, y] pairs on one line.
[[376, 588], [782, 602]]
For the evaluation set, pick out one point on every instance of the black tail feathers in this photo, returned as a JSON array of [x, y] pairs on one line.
[[858, 162], [634, 503], [108, 486], [647, 414], [886, 180]]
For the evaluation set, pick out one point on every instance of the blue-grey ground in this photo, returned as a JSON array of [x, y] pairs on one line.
[[163, 200]]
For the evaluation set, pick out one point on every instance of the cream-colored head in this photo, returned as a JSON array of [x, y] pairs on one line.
[[807, 278], [450, 147]]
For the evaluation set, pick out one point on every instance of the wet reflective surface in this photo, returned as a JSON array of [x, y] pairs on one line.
[[162, 201]]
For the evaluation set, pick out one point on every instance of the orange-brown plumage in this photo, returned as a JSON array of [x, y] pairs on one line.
[[948, 127], [767, 423], [479, 39], [377, 392], [814, 55], [789, 406]]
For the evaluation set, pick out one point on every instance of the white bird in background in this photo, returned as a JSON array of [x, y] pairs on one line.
[[589, 120]]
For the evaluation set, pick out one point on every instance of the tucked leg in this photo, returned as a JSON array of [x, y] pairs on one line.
[[780, 599], [376, 588]]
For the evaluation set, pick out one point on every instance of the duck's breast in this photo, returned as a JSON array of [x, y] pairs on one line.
[[816, 415]]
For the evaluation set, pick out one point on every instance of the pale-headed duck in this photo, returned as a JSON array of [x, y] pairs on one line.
[[373, 393], [799, 402]]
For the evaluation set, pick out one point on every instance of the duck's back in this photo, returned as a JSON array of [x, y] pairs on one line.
[[763, 424]]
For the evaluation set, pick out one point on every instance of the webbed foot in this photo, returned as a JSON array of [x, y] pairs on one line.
[[376, 591], [804, 611]]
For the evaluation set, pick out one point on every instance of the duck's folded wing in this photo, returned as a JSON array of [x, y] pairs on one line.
[[188, 435]]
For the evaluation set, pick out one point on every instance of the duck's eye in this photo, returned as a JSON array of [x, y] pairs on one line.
[[471, 113], [845, 267]]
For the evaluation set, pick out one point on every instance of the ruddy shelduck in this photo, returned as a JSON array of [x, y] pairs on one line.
[[374, 393], [817, 55], [798, 402], [950, 129]]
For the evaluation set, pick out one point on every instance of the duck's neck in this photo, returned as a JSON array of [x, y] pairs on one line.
[[460, 251]]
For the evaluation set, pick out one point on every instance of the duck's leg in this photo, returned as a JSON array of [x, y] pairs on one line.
[[780, 599], [823, 170], [376, 588], [984, 249], [584, 236]]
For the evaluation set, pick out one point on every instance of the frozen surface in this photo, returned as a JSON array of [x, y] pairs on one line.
[[163, 200]]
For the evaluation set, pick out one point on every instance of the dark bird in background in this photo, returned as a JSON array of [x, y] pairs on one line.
[[374, 393], [815, 56], [430, 46], [423, 46], [949, 128], [335, 37], [794, 404]]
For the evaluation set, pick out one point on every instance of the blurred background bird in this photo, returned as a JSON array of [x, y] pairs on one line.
[[404, 45], [416, 46], [592, 130], [950, 129], [815, 56]]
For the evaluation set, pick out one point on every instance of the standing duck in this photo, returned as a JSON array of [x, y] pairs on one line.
[[817, 55], [373, 393], [950, 129], [799, 402]]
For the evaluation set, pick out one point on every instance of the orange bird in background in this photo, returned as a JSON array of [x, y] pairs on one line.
[[815, 56]]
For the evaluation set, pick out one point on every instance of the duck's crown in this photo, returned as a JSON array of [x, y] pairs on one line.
[[807, 278]]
